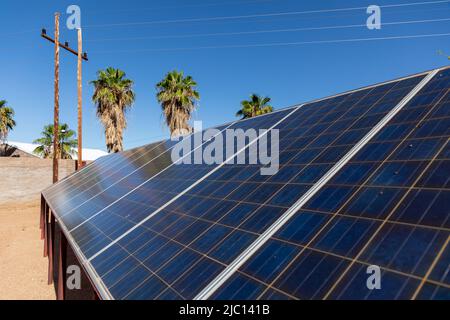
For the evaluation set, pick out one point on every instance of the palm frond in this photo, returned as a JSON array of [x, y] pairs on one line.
[[113, 95], [178, 98]]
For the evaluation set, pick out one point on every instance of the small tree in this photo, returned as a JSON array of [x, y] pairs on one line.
[[113, 96], [7, 122], [67, 142], [256, 106], [178, 97]]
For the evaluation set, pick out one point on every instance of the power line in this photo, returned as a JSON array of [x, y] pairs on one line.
[[265, 31], [203, 5], [276, 44], [258, 15]]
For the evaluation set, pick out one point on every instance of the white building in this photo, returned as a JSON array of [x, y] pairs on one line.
[[88, 154]]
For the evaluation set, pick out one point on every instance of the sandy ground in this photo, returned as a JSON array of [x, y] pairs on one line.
[[23, 269]]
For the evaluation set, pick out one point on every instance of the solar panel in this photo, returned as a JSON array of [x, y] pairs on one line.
[[148, 229], [377, 210]]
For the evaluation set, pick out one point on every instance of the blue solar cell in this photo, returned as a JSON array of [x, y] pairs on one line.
[[303, 227], [133, 279], [434, 292], [353, 173], [197, 278], [239, 288], [404, 248], [372, 202], [441, 273], [394, 286], [155, 260], [288, 195], [82, 189], [120, 271], [238, 214], [275, 295], [228, 249], [345, 236], [397, 173], [425, 207], [436, 176], [310, 276], [148, 290], [329, 198], [271, 258]]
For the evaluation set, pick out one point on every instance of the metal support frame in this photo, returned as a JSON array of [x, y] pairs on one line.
[[62, 267], [51, 248], [45, 231], [42, 217]]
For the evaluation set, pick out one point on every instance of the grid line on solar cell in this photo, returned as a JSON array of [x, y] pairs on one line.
[[310, 242], [250, 250]]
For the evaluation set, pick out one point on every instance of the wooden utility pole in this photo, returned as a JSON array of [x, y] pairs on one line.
[[56, 110], [81, 56], [80, 100]]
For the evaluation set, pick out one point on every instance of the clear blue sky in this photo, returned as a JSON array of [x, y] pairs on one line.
[[288, 74]]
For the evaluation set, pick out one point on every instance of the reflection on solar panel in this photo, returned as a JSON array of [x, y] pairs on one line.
[[363, 180]]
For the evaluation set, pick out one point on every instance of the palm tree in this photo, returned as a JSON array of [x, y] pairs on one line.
[[178, 99], [114, 96], [256, 106], [7, 122], [67, 142]]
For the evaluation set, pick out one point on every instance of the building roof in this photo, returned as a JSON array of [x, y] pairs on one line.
[[88, 154]]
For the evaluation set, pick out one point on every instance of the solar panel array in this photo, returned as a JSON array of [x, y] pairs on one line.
[[146, 228]]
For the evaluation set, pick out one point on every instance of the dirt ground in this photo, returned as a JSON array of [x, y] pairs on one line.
[[23, 269]]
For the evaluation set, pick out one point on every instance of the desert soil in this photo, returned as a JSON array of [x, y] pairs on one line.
[[23, 269]]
